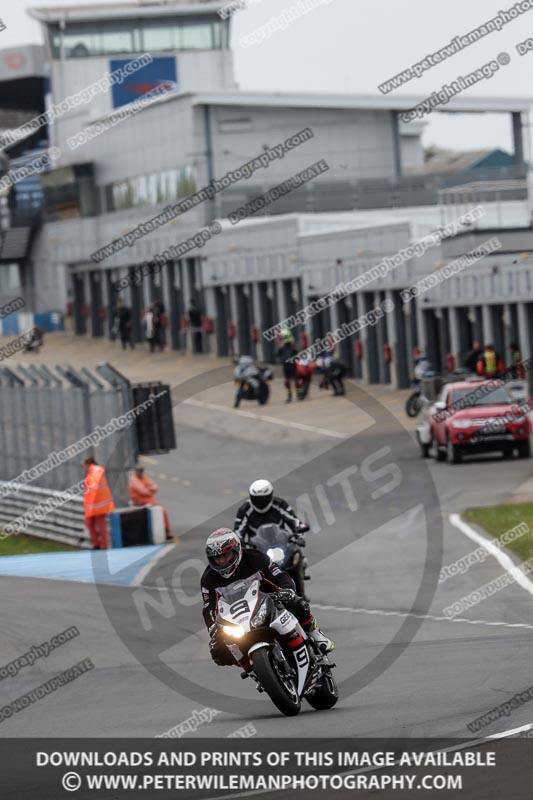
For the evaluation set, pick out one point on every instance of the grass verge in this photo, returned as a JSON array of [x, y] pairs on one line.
[[19, 545], [496, 520]]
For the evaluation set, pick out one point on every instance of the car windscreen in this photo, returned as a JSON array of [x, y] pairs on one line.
[[467, 398]]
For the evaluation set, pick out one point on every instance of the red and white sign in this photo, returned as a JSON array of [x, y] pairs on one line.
[[14, 60]]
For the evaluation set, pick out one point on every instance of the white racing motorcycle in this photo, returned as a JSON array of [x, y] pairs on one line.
[[273, 649]]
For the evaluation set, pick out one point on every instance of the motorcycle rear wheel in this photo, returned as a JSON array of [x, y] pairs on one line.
[[271, 683]]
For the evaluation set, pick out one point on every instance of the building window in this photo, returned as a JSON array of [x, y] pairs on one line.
[[216, 32], [82, 40], [143, 190], [9, 277], [196, 37], [78, 42], [158, 37], [117, 39]]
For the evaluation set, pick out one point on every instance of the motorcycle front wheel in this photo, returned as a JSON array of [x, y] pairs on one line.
[[263, 394], [285, 698], [298, 577], [326, 695], [413, 405]]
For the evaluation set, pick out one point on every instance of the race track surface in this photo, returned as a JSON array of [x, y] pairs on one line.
[[407, 670]]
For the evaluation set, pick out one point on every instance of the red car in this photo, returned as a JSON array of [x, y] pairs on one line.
[[478, 417]]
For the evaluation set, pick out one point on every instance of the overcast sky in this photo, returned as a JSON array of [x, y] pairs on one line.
[[353, 45]]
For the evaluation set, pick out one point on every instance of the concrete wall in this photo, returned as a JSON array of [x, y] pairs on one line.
[[355, 144], [197, 70], [158, 138]]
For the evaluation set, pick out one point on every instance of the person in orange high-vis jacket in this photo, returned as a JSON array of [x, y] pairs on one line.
[[490, 364], [98, 503], [142, 492]]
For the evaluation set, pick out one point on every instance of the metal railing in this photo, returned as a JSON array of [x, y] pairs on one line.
[[46, 411], [408, 190], [65, 523], [51, 420]]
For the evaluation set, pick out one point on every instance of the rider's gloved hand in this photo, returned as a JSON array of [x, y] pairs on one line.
[[215, 652], [303, 528], [286, 595], [299, 540], [218, 650]]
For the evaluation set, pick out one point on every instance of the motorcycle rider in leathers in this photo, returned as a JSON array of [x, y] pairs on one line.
[[262, 508], [227, 563]]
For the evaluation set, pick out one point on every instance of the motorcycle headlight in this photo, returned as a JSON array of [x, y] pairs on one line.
[[237, 631], [461, 423], [276, 554], [260, 614]]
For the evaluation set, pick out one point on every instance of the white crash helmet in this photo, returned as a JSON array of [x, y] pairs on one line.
[[261, 495]]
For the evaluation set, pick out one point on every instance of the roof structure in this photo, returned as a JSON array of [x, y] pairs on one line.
[[450, 161], [148, 8]]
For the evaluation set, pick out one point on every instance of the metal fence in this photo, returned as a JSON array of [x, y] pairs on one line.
[[44, 411], [29, 505], [367, 193]]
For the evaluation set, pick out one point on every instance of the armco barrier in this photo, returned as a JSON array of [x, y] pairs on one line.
[[63, 524], [128, 526], [47, 419], [46, 411]]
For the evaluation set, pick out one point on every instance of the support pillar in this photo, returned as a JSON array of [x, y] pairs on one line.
[[392, 328], [455, 342], [518, 138], [488, 328], [396, 143], [358, 311], [526, 340]]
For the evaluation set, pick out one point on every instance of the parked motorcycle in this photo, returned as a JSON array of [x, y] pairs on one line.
[[251, 381], [417, 400], [285, 549], [257, 629], [35, 341], [304, 374], [413, 404]]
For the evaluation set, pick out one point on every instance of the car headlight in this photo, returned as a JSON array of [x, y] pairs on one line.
[[276, 554], [461, 423], [237, 631], [260, 614]]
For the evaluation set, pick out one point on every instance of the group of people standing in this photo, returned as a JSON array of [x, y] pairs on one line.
[[483, 361], [154, 321], [298, 373], [98, 500], [487, 363]]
